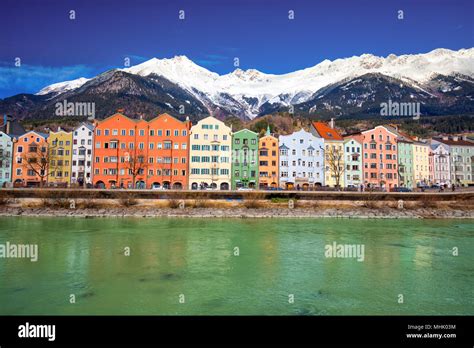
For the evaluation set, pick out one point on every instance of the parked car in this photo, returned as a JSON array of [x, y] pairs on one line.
[[274, 189], [245, 189], [402, 189], [157, 187]]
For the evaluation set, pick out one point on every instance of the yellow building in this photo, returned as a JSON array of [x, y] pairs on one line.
[[421, 168], [334, 170], [210, 155], [60, 155]]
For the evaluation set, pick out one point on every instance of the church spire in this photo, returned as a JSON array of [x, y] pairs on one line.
[[268, 130]]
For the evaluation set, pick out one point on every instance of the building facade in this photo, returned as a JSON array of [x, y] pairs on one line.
[[405, 163], [119, 152], [440, 163], [210, 155], [60, 157], [421, 170], [301, 161], [30, 160], [268, 161], [82, 155], [334, 166], [168, 153], [244, 159], [461, 158], [6, 156], [380, 158], [353, 162]]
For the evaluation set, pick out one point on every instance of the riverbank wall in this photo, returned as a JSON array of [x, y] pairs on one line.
[[219, 204]]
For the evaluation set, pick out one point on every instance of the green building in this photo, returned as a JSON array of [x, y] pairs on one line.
[[244, 159], [405, 163]]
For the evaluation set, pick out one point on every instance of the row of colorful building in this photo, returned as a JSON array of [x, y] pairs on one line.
[[168, 153]]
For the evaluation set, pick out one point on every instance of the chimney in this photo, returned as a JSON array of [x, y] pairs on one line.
[[7, 122], [332, 123], [445, 137], [456, 138], [59, 128], [464, 137]]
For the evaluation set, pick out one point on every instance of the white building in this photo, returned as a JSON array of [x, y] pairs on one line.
[[301, 160], [440, 164], [461, 158], [82, 154], [6, 157], [210, 155], [353, 162]]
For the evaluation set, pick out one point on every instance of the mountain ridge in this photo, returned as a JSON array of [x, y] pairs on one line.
[[251, 93]]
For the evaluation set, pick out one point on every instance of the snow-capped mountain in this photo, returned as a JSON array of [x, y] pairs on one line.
[[244, 92], [62, 87], [442, 80]]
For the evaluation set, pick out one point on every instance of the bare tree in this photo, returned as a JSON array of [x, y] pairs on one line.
[[38, 159], [136, 163], [335, 163]]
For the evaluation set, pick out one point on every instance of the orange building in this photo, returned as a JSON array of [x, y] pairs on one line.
[[140, 154], [115, 151], [168, 152], [30, 147], [268, 161]]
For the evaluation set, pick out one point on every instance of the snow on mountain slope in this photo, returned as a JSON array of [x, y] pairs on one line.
[[61, 87], [252, 88]]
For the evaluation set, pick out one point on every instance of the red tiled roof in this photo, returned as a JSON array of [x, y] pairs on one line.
[[326, 132], [459, 142]]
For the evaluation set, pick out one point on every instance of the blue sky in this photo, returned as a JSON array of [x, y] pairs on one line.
[[54, 48]]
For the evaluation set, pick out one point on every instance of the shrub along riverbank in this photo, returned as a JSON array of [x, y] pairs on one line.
[[103, 203]]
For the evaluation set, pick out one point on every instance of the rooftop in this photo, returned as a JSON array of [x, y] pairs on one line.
[[326, 132]]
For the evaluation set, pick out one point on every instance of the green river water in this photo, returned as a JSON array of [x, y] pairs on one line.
[[193, 260]]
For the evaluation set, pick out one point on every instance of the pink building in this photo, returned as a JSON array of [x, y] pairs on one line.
[[380, 157]]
